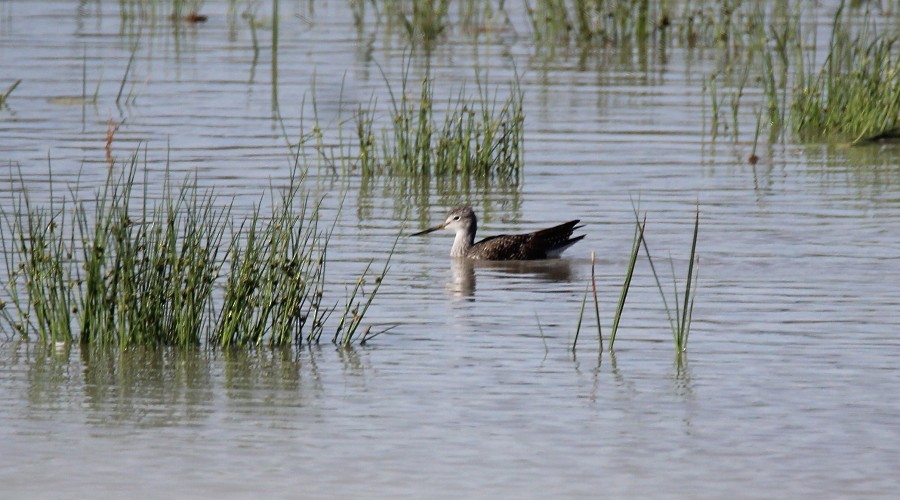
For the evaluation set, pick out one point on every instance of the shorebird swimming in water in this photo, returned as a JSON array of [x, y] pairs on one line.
[[543, 244]]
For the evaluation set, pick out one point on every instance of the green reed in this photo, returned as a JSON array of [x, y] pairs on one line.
[[357, 304], [855, 95], [742, 36], [147, 274], [626, 284], [477, 138], [9, 90], [680, 318], [607, 23], [690, 292], [277, 277], [580, 318], [593, 287], [550, 21], [596, 302], [174, 269], [36, 254], [469, 138]]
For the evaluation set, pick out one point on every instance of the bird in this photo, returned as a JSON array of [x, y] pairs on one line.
[[546, 243]]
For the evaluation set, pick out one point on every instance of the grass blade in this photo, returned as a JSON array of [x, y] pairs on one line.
[[635, 247]]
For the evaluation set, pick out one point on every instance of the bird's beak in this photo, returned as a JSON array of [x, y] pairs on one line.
[[431, 229]]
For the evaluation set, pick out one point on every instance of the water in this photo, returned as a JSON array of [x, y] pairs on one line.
[[786, 389]]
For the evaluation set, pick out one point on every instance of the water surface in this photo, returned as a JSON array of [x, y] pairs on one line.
[[786, 388]]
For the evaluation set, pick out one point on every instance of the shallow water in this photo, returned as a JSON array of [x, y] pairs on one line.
[[786, 389]]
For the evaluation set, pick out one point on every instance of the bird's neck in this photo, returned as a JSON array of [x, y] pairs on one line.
[[462, 243]]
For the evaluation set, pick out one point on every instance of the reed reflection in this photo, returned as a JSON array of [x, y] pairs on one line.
[[146, 386]]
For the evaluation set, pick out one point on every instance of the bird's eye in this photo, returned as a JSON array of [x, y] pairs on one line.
[[456, 218]]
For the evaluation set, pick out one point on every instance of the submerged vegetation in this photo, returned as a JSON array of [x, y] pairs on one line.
[[130, 269]]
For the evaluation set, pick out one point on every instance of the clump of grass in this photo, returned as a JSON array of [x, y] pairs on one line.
[[853, 96], [549, 21], [424, 23], [36, 252], [723, 25], [743, 38], [276, 282], [130, 270], [148, 274], [856, 93], [685, 310], [478, 138]]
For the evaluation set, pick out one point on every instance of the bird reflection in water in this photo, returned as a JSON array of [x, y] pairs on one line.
[[464, 272]]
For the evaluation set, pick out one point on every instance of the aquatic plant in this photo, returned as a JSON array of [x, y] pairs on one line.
[[626, 284], [171, 269], [9, 90], [480, 138], [134, 47], [145, 276], [580, 318], [471, 138], [725, 25], [855, 95], [680, 318], [35, 252], [593, 287], [424, 23], [357, 304], [596, 302], [276, 282]]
